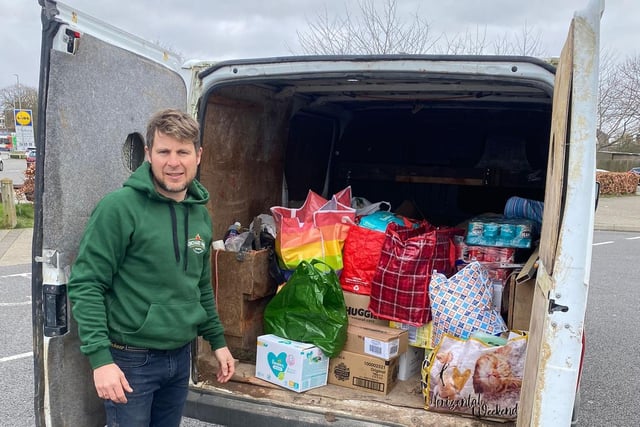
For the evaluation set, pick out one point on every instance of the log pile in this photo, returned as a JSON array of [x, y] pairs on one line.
[[616, 183]]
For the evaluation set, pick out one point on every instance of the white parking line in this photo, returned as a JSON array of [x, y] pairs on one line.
[[632, 238], [602, 243], [16, 357], [14, 304], [27, 275]]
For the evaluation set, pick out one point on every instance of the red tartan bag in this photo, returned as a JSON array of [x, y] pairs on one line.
[[444, 254], [400, 286], [360, 257]]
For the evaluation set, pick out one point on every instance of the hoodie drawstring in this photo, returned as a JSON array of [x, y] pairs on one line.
[[186, 238], [174, 230]]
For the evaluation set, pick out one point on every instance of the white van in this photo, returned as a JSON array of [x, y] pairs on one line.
[[457, 135]]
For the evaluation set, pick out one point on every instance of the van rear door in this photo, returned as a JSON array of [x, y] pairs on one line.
[[98, 86], [95, 99], [557, 324]]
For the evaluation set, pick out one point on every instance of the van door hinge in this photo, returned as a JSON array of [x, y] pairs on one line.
[[54, 293], [553, 307]]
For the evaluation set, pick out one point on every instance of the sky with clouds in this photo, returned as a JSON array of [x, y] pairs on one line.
[[199, 29]]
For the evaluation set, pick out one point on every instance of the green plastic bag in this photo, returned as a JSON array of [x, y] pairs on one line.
[[310, 308]]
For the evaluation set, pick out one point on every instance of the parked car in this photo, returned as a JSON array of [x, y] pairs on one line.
[[635, 171], [31, 157]]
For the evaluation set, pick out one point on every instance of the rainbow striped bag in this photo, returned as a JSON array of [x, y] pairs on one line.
[[317, 230]]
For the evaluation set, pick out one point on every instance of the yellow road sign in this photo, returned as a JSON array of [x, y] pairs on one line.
[[23, 117]]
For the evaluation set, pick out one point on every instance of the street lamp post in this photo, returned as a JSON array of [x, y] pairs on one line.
[[19, 108], [19, 91]]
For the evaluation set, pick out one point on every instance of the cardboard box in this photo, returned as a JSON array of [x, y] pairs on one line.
[[520, 302], [519, 294], [410, 363], [358, 308], [375, 340], [290, 364], [362, 372], [419, 336], [243, 290]]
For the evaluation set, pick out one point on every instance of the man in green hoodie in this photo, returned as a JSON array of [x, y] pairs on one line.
[[141, 285]]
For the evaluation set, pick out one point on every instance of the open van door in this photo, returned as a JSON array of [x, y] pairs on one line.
[[95, 100], [557, 323], [98, 87]]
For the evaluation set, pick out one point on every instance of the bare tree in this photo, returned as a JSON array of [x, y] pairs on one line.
[[371, 32], [327, 36], [467, 43], [619, 103], [528, 42], [607, 88], [12, 97], [374, 31], [630, 71]]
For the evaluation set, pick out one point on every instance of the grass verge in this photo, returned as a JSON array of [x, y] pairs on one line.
[[24, 215]]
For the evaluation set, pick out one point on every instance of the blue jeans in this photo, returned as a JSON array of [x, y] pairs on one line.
[[160, 381]]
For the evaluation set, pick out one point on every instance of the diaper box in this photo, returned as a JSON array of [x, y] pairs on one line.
[[358, 308], [375, 340], [363, 372], [500, 231], [290, 364]]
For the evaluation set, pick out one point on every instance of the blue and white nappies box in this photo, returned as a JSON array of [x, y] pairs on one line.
[[500, 232], [291, 364]]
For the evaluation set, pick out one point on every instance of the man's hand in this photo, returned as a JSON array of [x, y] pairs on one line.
[[227, 364], [111, 383]]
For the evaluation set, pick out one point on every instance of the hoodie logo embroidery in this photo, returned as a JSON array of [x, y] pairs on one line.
[[196, 244]]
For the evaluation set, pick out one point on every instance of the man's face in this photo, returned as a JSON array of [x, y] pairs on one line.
[[174, 165]]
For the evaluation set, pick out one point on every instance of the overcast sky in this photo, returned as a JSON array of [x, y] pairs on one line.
[[199, 29]]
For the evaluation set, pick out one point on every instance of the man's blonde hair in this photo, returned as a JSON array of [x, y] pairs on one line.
[[175, 123]]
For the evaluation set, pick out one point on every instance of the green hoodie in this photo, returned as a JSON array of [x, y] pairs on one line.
[[143, 276]]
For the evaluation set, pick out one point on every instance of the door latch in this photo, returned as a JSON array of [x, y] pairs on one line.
[[54, 294], [553, 307]]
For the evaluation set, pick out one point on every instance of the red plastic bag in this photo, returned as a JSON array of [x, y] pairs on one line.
[[360, 255]]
